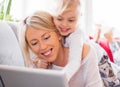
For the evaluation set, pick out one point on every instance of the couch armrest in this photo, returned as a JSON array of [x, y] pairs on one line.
[[10, 51]]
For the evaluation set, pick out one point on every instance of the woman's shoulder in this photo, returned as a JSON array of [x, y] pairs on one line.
[[86, 49]]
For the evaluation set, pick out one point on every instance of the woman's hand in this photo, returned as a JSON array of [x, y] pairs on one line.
[[40, 63]]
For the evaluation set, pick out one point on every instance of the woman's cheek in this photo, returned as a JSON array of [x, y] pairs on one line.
[[36, 50]]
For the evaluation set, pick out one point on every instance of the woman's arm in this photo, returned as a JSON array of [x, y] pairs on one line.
[[85, 51]]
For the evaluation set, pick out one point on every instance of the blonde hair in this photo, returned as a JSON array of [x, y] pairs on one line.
[[39, 20], [72, 4], [66, 5]]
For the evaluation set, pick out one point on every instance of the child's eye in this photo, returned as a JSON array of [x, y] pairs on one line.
[[59, 19], [71, 20]]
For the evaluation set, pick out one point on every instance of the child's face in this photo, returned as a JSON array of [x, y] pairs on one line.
[[66, 22]]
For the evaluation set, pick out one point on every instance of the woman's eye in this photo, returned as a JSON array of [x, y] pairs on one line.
[[34, 43], [46, 37]]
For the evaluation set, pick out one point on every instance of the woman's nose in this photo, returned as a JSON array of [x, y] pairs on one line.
[[43, 46]]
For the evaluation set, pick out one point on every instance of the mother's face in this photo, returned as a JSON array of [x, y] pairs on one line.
[[44, 43]]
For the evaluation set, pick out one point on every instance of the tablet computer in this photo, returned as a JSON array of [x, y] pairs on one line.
[[12, 76]]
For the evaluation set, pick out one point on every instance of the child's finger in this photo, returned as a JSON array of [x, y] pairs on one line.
[[42, 64]]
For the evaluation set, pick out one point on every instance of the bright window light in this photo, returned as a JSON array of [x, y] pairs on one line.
[[22, 8], [107, 13]]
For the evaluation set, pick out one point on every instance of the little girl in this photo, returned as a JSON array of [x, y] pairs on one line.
[[67, 24]]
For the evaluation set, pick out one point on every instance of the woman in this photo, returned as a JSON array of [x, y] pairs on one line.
[[41, 37]]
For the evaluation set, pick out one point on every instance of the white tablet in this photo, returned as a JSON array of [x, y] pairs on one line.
[[11, 76]]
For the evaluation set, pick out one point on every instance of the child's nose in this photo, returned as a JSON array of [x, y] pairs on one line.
[[64, 24]]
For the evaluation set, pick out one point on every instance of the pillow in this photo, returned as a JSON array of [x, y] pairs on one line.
[[10, 52], [105, 44]]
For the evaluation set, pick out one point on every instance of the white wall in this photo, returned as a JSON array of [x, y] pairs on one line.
[[22, 8], [107, 13], [88, 16]]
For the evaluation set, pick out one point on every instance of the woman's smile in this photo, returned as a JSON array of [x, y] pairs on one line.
[[47, 53]]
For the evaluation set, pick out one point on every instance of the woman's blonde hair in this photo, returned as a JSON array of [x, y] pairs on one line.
[[38, 20]]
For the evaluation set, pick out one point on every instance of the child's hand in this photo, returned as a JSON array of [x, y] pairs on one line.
[[40, 63]]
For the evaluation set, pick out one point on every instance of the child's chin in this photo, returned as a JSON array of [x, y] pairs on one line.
[[64, 34]]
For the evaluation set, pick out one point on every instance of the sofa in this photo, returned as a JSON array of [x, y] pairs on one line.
[[10, 51]]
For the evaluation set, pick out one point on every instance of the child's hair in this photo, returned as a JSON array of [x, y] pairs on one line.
[[72, 4], [39, 20], [66, 5]]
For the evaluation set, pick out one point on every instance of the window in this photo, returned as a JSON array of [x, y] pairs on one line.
[[107, 13], [23, 8]]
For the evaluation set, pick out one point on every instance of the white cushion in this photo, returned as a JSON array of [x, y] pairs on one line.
[[10, 52]]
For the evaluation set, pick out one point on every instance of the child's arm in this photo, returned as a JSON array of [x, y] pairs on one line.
[[75, 44]]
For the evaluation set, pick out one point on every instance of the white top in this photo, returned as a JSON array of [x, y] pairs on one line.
[[88, 73], [75, 43]]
